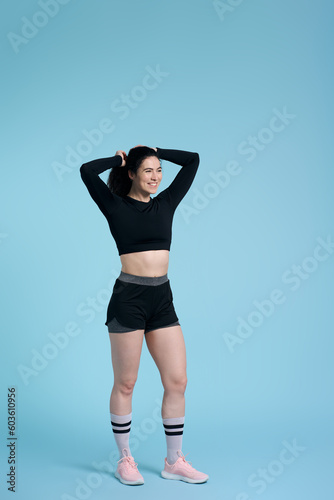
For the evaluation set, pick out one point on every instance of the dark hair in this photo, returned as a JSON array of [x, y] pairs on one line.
[[119, 181]]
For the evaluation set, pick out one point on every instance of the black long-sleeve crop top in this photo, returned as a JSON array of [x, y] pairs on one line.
[[136, 225]]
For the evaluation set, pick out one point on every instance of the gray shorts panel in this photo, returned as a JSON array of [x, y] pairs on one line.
[[115, 327]]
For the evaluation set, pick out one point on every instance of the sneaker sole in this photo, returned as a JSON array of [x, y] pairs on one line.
[[131, 483], [168, 475]]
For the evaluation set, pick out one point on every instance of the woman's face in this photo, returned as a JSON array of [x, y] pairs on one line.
[[149, 175]]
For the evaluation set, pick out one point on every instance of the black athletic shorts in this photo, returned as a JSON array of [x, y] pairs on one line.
[[140, 302]]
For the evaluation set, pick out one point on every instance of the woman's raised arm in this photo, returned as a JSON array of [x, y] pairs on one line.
[[97, 188], [184, 178]]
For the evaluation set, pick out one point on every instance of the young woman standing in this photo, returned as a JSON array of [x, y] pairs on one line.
[[142, 301]]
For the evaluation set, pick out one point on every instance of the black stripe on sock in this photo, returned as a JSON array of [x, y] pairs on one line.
[[120, 425], [176, 426], [123, 431], [178, 433]]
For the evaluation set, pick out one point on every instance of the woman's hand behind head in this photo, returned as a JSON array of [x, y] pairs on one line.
[[123, 155]]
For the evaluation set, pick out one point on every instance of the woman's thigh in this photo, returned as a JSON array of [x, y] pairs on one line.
[[125, 355], [167, 348]]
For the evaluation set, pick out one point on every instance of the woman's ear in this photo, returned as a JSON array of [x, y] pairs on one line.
[[131, 174]]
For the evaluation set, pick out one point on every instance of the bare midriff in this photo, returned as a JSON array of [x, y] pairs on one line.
[[149, 263]]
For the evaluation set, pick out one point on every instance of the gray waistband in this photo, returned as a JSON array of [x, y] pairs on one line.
[[143, 280]]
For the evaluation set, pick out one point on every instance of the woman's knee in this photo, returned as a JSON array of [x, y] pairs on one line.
[[175, 384], [125, 386]]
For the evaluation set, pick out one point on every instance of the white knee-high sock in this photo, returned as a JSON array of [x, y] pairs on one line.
[[174, 434], [121, 425]]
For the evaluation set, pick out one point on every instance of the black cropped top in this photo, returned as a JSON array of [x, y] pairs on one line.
[[136, 225]]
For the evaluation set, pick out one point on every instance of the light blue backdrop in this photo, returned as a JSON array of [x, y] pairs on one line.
[[249, 86]]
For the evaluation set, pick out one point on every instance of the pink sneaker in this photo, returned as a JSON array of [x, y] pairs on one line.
[[127, 471], [183, 471]]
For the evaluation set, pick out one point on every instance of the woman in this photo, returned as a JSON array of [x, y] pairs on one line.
[[142, 301]]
